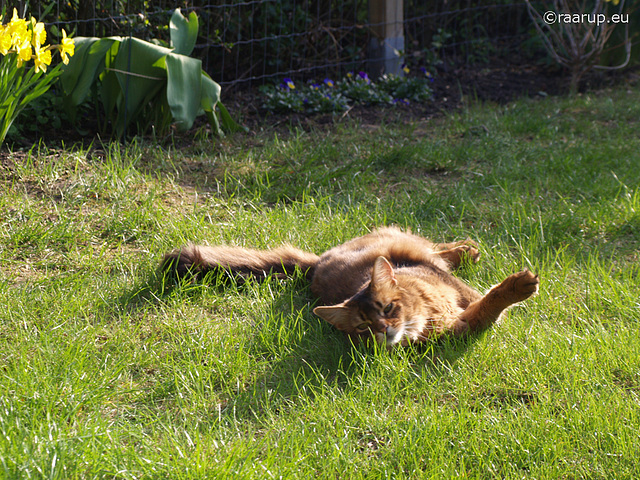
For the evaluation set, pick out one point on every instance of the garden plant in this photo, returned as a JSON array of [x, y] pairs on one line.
[[144, 86], [576, 34], [24, 58], [354, 89]]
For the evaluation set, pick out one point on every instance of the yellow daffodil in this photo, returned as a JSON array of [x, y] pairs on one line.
[[17, 28], [42, 59], [27, 41], [39, 33], [24, 52], [20, 42], [67, 48], [5, 41]]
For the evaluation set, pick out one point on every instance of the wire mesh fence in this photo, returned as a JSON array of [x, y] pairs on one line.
[[252, 42]]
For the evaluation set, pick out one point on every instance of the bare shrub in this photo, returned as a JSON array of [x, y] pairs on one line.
[[575, 32]]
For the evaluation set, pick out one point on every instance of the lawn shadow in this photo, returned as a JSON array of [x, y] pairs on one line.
[[297, 355]]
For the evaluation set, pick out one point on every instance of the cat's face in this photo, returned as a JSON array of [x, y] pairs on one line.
[[374, 311]]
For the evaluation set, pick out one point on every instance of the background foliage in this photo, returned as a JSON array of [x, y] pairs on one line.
[[264, 39]]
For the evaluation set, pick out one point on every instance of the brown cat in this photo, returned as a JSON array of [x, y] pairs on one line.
[[389, 284]]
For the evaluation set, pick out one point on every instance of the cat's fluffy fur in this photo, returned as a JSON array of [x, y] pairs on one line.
[[389, 284]]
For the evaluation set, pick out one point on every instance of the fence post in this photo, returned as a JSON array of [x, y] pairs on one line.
[[387, 41]]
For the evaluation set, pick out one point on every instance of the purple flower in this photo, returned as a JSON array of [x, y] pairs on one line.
[[402, 101], [287, 84], [328, 82], [364, 76], [426, 73]]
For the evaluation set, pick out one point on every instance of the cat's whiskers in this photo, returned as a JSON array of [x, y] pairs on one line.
[[392, 336], [414, 326]]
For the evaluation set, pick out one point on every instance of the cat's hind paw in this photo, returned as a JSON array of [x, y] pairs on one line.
[[471, 251], [459, 252]]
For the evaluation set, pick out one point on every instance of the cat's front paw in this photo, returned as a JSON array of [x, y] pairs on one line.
[[523, 284]]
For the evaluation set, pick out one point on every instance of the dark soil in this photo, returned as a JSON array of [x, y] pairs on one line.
[[500, 84]]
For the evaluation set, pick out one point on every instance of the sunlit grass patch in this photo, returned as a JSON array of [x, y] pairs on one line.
[[112, 370]]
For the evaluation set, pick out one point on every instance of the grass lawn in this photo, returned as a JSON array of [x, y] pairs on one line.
[[109, 372]]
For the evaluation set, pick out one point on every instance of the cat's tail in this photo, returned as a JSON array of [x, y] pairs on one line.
[[197, 260]]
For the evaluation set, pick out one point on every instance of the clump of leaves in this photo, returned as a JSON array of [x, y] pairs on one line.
[[43, 113], [355, 89], [313, 97], [283, 98], [142, 85], [408, 89], [360, 89]]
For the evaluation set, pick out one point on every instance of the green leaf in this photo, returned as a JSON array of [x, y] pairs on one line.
[[84, 67], [213, 121], [41, 86], [183, 32], [210, 103], [183, 88], [228, 123], [110, 93], [139, 76], [210, 93]]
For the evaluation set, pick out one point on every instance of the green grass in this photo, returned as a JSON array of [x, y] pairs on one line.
[[108, 372]]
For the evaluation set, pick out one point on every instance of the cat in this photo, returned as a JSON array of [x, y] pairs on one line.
[[390, 284]]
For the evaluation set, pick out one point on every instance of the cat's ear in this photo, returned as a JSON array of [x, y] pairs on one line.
[[337, 315], [382, 275]]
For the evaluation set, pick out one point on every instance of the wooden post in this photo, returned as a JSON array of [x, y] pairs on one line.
[[387, 42]]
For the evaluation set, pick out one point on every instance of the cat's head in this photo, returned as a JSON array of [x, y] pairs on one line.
[[376, 310]]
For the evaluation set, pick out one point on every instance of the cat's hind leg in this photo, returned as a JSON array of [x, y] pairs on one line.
[[482, 313], [455, 253]]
